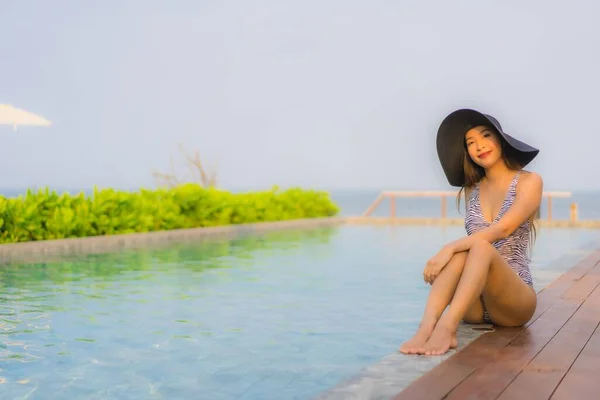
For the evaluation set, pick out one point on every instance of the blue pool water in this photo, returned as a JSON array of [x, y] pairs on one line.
[[285, 315]]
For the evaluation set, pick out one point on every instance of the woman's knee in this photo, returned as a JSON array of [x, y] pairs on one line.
[[458, 259], [460, 256]]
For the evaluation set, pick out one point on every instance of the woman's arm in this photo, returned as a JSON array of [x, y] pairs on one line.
[[528, 199], [529, 196]]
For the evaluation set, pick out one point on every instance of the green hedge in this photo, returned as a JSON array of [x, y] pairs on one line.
[[45, 214]]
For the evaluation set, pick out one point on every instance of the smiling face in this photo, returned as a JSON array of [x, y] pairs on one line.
[[483, 146]]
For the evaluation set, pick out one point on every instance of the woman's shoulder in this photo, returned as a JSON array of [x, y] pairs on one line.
[[529, 180]]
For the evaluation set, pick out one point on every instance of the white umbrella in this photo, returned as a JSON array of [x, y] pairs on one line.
[[10, 115]]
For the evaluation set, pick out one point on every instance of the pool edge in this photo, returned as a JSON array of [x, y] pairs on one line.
[[395, 372], [56, 248]]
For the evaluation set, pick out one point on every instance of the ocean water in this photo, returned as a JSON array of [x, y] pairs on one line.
[[284, 315]]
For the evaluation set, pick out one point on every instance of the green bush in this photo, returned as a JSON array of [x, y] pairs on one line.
[[45, 214]]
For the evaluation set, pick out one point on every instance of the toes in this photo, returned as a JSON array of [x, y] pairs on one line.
[[433, 352], [412, 350]]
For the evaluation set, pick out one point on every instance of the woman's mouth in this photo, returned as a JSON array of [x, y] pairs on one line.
[[484, 155]]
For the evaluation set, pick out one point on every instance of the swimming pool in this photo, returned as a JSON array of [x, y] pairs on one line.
[[284, 315]]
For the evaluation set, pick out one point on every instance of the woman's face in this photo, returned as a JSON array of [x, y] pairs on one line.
[[483, 146]]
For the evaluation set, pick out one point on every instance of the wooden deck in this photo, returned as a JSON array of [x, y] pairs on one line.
[[556, 356]]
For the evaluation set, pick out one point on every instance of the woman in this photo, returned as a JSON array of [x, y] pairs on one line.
[[484, 276]]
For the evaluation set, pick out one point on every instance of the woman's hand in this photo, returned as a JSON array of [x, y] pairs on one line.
[[435, 264]]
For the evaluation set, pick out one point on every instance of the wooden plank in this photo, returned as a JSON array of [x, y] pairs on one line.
[[373, 206], [490, 380], [445, 376], [543, 304], [485, 350], [581, 382], [574, 274], [493, 379], [438, 382], [585, 286], [541, 376], [557, 194], [560, 286], [424, 193]]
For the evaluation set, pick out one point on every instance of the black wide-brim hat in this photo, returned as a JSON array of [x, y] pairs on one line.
[[451, 142]]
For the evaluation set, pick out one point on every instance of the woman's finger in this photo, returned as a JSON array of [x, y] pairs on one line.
[[432, 276]]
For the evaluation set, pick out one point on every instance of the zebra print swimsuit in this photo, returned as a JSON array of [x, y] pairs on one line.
[[514, 248]]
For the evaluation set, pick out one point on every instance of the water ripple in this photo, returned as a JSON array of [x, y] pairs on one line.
[[293, 311]]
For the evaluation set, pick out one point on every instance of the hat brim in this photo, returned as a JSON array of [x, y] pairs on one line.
[[451, 136]]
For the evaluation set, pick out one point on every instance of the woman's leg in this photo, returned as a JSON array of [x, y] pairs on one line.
[[474, 314], [441, 293], [509, 300]]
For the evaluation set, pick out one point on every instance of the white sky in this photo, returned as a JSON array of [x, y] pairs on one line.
[[328, 94]]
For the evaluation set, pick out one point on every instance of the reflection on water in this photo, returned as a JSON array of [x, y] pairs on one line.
[[283, 315], [79, 327]]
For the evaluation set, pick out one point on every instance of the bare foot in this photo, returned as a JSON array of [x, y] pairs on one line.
[[442, 339], [415, 344]]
